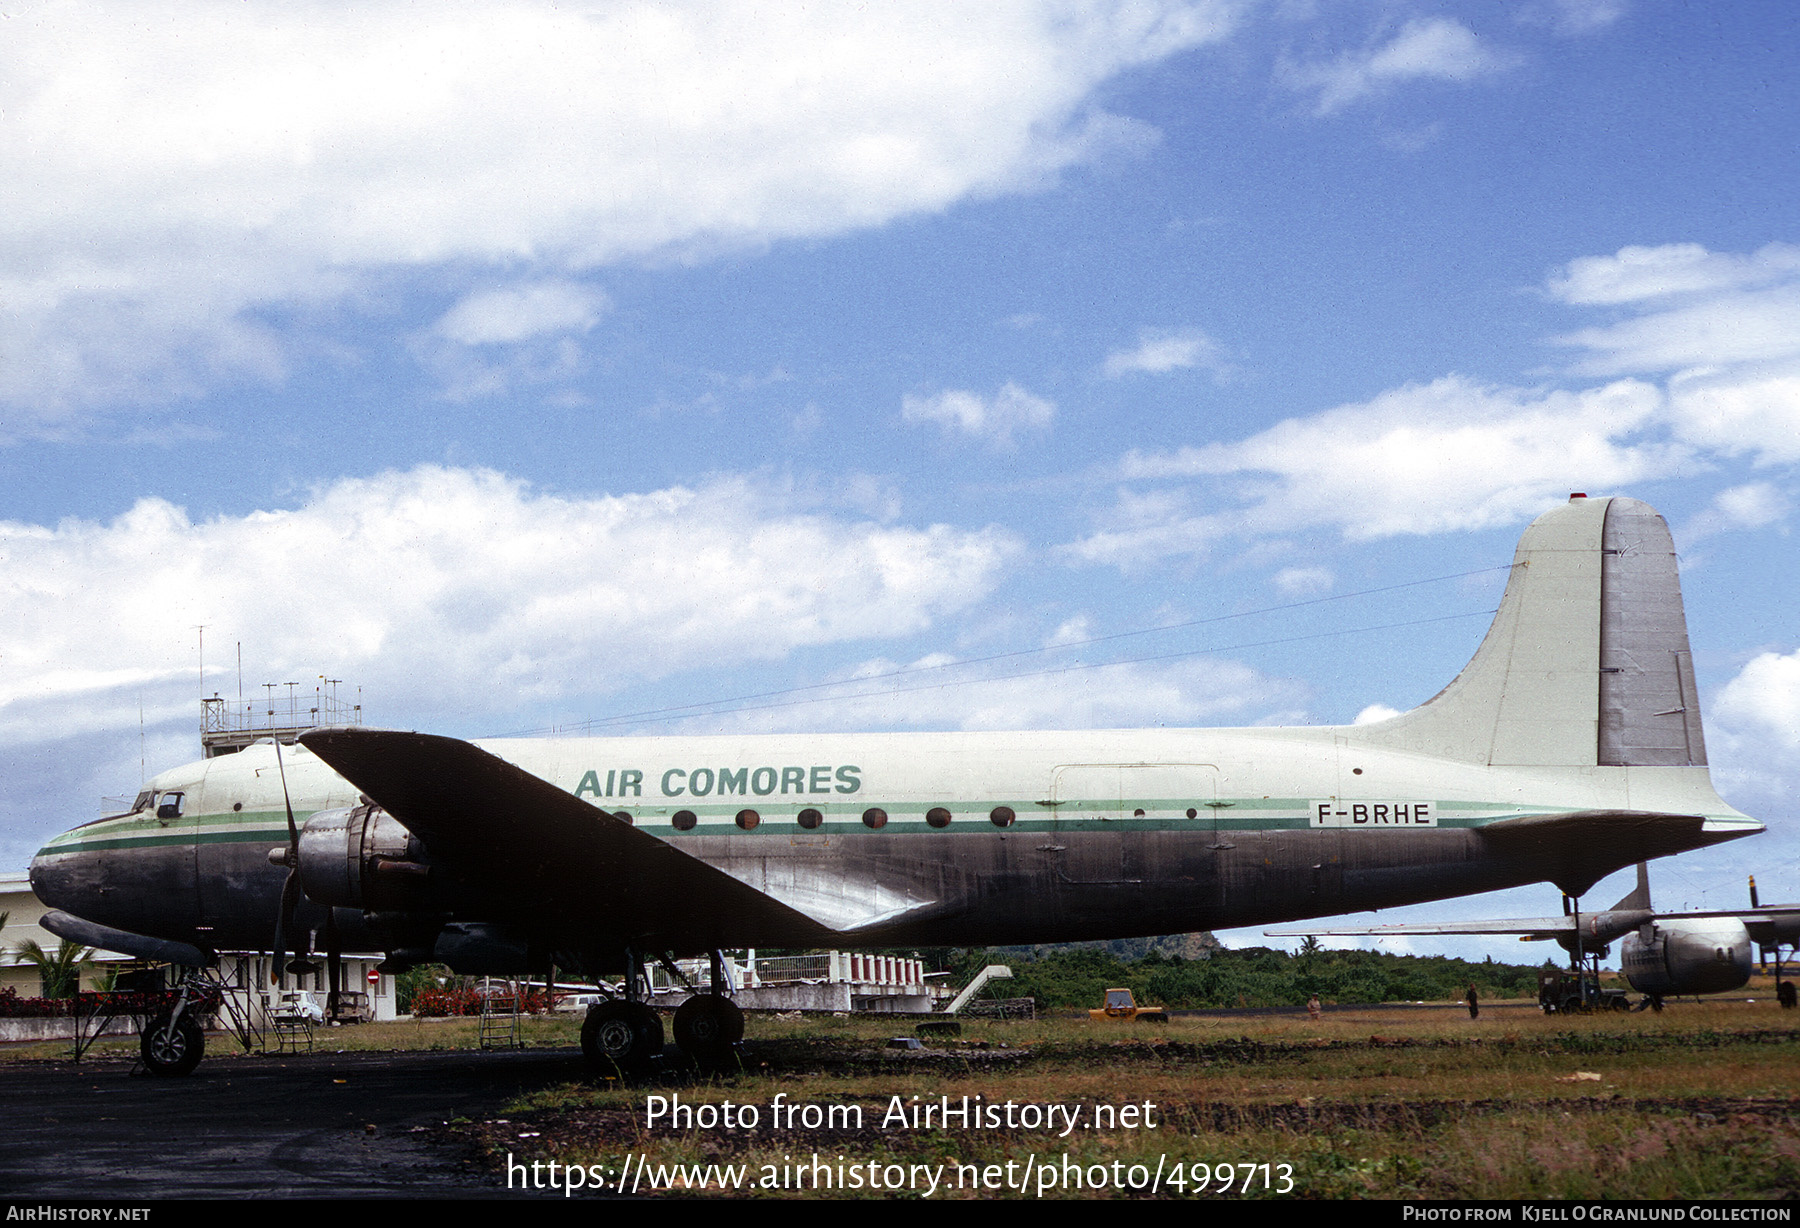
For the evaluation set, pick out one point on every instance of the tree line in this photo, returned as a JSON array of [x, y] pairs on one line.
[[1253, 976]]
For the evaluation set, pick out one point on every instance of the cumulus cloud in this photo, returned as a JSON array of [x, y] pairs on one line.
[[1634, 274], [995, 418], [492, 341], [1753, 727], [1718, 333], [1765, 697], [1197, 692], [173, 171], [516, 313], [1723, 327], [1738, 327], [1425, 49], [1304, 581], [436, 586], [1160, 350], [1754, 505], [1740, 412], [1427, 458]]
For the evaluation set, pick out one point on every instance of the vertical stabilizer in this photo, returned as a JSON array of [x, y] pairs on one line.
[[1638, 898], [1587, 661]]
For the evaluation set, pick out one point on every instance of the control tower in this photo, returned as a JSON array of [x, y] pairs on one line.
[[229, 725]]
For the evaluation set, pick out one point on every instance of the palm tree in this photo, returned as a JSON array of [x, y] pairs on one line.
[[60, 973]]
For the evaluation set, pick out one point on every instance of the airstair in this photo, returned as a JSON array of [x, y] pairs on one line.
[[499, 1021]]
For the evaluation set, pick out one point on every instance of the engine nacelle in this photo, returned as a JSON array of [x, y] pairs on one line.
[[1687, 957], [478, 948], [362, 857]]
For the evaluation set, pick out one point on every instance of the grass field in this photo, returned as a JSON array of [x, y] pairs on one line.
[[1700, 1101]]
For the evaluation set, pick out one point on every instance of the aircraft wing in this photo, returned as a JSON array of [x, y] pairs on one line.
[[1768, 925], [1773, 926], [1528, 929], [541, 853]]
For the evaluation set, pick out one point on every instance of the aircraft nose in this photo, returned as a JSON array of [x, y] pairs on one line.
[[57, 880], [82, 872]]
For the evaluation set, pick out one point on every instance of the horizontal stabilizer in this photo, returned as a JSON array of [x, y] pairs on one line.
[[541, 851], [1576, 849]]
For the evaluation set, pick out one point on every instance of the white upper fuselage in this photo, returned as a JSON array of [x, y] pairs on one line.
[[1272, 777]]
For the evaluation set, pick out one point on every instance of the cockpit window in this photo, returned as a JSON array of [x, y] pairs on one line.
[[170, 808], [143, 801]]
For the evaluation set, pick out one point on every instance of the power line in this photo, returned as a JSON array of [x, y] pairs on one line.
[[1069, 669], [730, 704]]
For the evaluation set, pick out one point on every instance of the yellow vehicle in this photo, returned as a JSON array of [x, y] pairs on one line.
[[1121, 1005]]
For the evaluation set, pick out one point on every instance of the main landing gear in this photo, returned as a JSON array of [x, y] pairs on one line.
[[708, 1027], [624, 1036], [620, 1037]]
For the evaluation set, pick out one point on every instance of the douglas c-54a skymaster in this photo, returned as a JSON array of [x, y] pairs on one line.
[[1568, 748], [1663, 954]]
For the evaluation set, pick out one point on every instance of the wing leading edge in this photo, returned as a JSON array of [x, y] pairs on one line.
[[548, 853]]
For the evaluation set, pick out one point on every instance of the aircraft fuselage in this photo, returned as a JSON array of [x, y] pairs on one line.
[[1106, 834]]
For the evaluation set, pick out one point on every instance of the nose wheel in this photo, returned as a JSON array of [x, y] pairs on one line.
[[172, 1045]]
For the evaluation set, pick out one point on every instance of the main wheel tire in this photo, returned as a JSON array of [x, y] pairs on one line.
[[708, 1028], [650, 1029], [620, 1037], [172, 1047]]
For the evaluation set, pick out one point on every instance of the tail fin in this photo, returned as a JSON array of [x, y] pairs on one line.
[[1638, 898], [1587, 662]]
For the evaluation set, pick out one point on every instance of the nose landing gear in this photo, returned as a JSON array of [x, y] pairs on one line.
[[172, 1043]]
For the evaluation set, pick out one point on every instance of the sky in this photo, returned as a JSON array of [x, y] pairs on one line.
[[536, 367]]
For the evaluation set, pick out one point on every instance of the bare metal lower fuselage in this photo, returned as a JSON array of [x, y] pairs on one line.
[[984, 888]]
